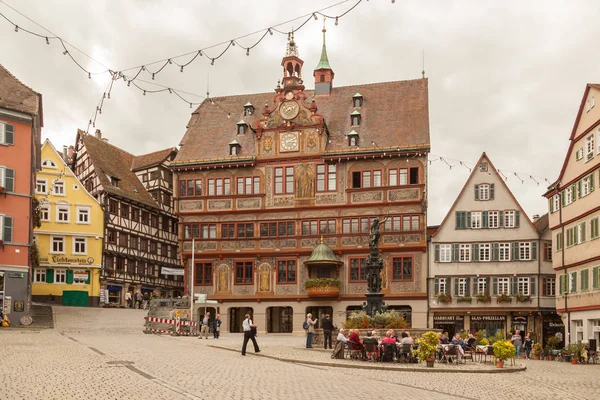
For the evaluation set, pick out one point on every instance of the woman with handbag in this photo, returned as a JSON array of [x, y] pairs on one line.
[[249, 333]]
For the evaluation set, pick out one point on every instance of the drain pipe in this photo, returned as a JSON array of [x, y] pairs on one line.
[[566, 276]]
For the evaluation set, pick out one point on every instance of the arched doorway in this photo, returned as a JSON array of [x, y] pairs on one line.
[[280, 319], [236, 317], [320, 312]]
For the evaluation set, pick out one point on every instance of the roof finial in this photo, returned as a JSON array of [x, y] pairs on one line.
[[423, 71], [321, 239]]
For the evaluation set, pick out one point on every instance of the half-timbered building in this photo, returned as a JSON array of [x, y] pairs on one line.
[[279, 191], [140, 223]]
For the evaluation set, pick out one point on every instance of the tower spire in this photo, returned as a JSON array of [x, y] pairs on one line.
[[323, 73], [324, 61]]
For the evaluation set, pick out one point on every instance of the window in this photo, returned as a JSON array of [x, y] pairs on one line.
[[154, 221], [504, 252], [549, 288], [145, 218], [353, 140], [503, 286], [248, 185], [41, 186], [357, 100], [445, 252], [7, 134], [481, 285], [209, 231], [62, 213], [484, 252], [244, 272], [111, 236], [595, 228], [410, 223], [523, 286], [589, 145], [350, 225], [203, 273], [6, 224], [393, 224], [476, 219], [355, 118], [465, 253], [190, 187], [79, 246], [493, 219], [547, 255], [400, 176], [45, 212], [135, 214], [284, 180], [58, 244], [366, 179], [573, 282], [402, 268], [144, 245], [581, 233], [318, 227], [40, 275], [461, 287], [568, 194], [124, 210], [559, 241], [585, 280], [440, 285], [286, 271], [227, 231], [241, 128], [234, 149], [358, 271], [509, 219], [273, 229], [60, 276], [587, 185], [83, 215], [58, 188], [326, 178], [484, 192], [123, 239], [245, 230], [153, 246], [524, 251], [219, 187], [133, 242], [555, 203], [112, 206]]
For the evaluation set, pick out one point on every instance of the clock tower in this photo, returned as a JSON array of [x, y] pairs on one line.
[[292, 66]]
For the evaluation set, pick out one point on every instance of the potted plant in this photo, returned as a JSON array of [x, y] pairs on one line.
[[537, 351], [504, 298], [484, 342], [574, 351], [322, 286], [521, 298], [551, 345], [503, 350], [463, 299], [444, 298], [483, 298], [428, 344]]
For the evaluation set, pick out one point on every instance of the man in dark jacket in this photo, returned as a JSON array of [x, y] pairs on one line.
[[327, 325]]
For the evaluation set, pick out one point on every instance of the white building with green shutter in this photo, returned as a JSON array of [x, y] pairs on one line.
[[489, 266]]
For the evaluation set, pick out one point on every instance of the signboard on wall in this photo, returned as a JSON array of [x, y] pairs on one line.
[[488, 317], [80, 276]]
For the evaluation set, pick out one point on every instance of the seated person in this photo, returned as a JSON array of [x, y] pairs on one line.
[[444, 339], [341, 337], [458, 343], [388, 338], [355, 340], [370, 338], [471, 342], [406, 339]]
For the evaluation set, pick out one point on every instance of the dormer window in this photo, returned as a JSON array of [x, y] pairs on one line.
[[234, 148], [241, 127], [114, 181], [248, 109], [355, 118], [357, 100], [48, 164], [352, 138]]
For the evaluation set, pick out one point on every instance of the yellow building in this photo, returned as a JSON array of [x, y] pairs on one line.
[[69, 239]]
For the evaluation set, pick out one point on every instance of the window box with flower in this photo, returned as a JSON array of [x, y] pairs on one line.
[[464, 299], [504, 298], [523, 298], [483, 298], [444, 298]]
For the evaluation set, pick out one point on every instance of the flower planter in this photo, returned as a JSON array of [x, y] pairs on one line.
[[323, 291], [536, 357], [573, 361], [499, 363], [550, 358], [430, 362]]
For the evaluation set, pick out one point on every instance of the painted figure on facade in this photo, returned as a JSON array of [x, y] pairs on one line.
[[304, 182], [223, 280], [264, 279]]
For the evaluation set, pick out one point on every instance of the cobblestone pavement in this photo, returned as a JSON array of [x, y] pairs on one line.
[[103, 354]]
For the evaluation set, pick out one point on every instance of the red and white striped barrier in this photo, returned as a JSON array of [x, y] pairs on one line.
[[165, 331], [171, 321]]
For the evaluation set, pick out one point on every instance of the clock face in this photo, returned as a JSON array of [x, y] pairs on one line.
[[288, 142], [289, 109]]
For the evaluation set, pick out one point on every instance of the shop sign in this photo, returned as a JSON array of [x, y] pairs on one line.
[[517, 320], [488, 317], [456, 318], [68, 260], [556, 325], [80, 276], [19, 306], [18, 275]]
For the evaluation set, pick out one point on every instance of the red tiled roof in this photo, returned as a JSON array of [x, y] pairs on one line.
[[392, 114], [541, 224], [111, 161], [14, 95], [151, 159]]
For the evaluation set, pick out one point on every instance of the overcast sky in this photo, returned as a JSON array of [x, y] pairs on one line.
[[505, 77]]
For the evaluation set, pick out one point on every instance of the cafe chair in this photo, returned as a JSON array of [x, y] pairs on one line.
[[371, 351], [453, 355], [354, 351], [405, 353], [389, 351]]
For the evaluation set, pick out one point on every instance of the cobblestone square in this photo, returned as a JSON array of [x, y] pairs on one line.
[[103, 354]]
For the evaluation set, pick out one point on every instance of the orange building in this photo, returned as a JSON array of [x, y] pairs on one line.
[[21, 121]]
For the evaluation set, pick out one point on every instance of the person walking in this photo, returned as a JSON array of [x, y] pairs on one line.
[[217, 326], [127, 300], [310, 330], [517, 341], [204, 328], [137, 297], [528, 345], [327, 329], [247, 326], [145, 299]]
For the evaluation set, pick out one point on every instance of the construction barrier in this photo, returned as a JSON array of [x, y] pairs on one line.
[[170, 321], [147, 330]]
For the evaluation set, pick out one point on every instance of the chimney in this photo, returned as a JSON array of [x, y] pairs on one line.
[[70, 152], [98, 133], [64, 154], [536, 217]]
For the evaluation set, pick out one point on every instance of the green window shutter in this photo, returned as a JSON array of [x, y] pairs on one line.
[[436, 253], [89, 273], [561, 283], [7, 223], [532, 286], [494, 286], [475, 252], [487, 286], [467, 287], [558, 241], [436, 286], [9, 134], [468, 220], [513, 286], [517, 219], [455, 252], [578, 189], [491, 191], [476, 192], [562, 199], [595, 277], [458, 216], [495, 251], [484, 219], [592, 182], [49, 276], [447, 287], [501, 221], [69, 276], [474, 283], [534, 251], [9, 179], [456, 286], [515, 251], [575, 235], [583, 231]]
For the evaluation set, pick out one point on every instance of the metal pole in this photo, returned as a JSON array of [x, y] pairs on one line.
[[192, 283]]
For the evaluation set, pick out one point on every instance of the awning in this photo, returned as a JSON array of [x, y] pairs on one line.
[[112, 288], [172, 271]]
